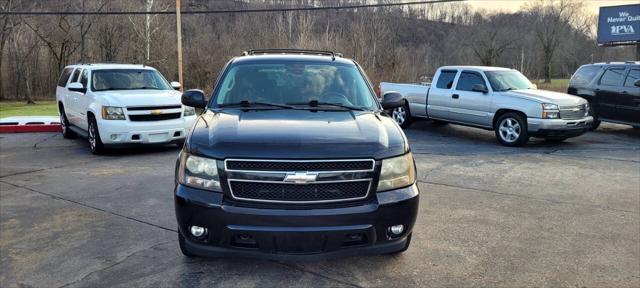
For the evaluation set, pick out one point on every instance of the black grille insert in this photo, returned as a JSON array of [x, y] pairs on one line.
[[151, 117], [300, 166], [142, 108], [274, 192]]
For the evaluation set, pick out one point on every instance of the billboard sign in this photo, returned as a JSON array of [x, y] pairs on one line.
[[618, 25]]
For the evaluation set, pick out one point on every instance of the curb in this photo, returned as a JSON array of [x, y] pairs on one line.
[[31, 128]]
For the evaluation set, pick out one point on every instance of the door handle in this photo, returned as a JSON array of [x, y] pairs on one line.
[[455, 96]]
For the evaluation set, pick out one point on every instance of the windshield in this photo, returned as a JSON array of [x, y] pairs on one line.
[[508, 80], [128, 79], [333, 84]]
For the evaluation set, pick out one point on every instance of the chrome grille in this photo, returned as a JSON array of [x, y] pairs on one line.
[[573, 112], [299, 181]]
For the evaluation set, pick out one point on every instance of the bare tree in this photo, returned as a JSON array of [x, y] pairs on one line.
[[553, 18]]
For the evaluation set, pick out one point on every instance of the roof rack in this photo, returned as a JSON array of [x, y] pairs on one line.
[[292, 51]]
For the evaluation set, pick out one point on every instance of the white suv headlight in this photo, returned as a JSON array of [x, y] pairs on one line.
[[397, 172], [198, 172], [112, 113], [189, 111]]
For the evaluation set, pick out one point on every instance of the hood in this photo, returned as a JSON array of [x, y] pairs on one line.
[[545, 96], [124, 98], [296, 134]]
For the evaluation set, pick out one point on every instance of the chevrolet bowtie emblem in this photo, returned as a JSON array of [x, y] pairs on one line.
[[301, 177], [156, 112]]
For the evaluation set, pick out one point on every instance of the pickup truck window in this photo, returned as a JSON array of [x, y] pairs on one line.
[[467, 80], [295, 83], [64, 77], [612, 77], [76, 75], [445, 81], [508, 80], [128, 79], [585, 75], [633, 76]]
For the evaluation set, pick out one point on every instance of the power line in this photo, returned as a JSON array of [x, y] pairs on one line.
[[50, 13]]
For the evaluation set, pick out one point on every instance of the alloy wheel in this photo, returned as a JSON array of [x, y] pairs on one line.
[[92, 136], [510, 130], [399, 114]]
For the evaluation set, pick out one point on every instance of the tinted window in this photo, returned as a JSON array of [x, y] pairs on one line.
[[128, 79], [445, 81], [612, 77], [295, 84], [76, 75], [64, 77], [467, 80], [633, 76], [585, 74], [83, 78]]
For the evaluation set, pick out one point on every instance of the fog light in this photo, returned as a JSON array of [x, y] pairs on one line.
[[198, 231], [396, 229]]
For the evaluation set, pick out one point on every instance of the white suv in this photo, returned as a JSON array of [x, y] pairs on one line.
[[121, 104]]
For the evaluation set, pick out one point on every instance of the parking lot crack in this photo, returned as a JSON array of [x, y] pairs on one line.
[[113, 264], [56, 197], [529, 197], [35, 146]]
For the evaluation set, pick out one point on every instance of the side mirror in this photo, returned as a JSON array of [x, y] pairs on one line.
[[392, 100], [479, 88], [176, 85], [77, 87], [194, 98], [637, 83]]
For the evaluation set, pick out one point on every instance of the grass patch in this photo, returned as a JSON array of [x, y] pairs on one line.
[[558, 85], [21, 108]]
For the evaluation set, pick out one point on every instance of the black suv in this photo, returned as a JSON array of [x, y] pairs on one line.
[[612, 89], [294, 155]]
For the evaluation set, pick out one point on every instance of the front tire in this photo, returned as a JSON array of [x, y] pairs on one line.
[[511, 130], [401, 115], [95, 144]]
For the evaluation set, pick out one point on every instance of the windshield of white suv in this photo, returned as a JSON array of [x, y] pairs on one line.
[[295, 85], [508, 80], [128, 79]]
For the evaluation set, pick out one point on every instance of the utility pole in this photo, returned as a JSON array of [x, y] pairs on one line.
[[179, 33]]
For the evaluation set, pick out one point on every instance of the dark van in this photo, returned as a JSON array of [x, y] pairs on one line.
[[294, 155], [612, 89]]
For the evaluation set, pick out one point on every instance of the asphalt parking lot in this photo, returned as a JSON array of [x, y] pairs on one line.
[[548, 214]]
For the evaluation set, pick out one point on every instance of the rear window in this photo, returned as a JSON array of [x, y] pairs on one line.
[[64, 77], [585, 75], [445, 81], [634, 75], [612, 77]]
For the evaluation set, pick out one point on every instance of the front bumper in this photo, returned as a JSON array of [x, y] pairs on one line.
[[308, 233], [127, 132], [561, 128]]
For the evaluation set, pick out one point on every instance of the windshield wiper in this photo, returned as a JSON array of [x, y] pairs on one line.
[[248, 104], [507, 89], [316, 104]]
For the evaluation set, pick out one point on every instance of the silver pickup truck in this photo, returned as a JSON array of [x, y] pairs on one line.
[[493, 98]]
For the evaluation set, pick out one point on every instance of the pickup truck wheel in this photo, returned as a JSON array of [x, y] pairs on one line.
[[401, 115], [511, 130], [64, 125], [95, 144]]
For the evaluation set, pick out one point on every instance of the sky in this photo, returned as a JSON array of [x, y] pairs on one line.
[[514, 5]]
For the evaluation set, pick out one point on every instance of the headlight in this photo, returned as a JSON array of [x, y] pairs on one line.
[[198, 172], [112, 113], [550, 111], [189, 111], [586, 108], [397, 172]]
